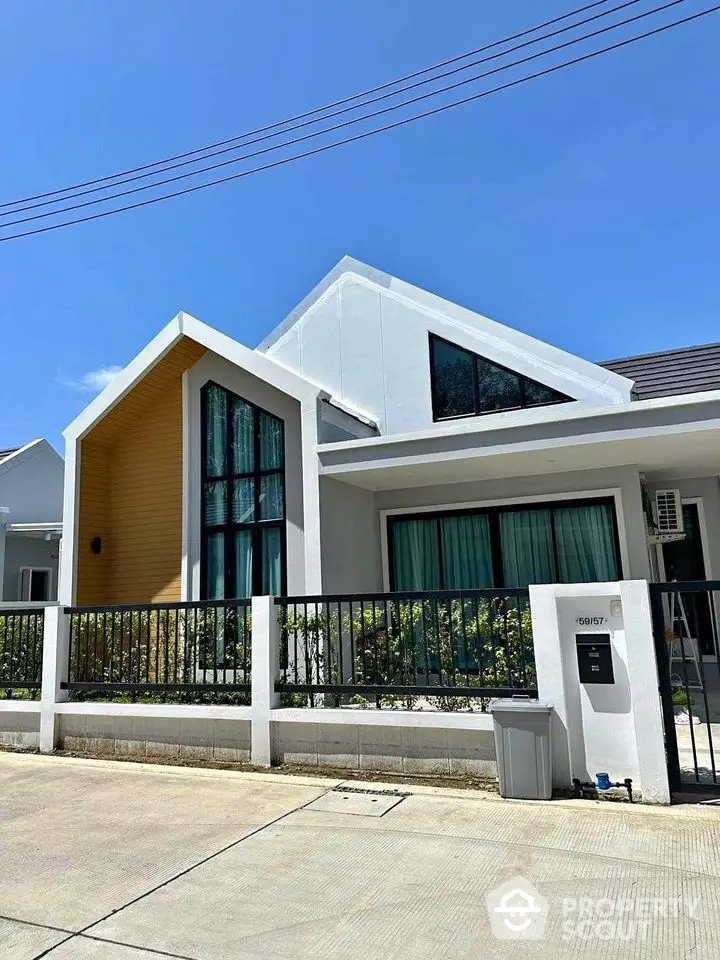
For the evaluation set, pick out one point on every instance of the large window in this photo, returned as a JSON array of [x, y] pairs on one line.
[[505, 546], [466, 385], [243, 508]]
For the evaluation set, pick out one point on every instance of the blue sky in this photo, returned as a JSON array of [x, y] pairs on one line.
[[582, 208]]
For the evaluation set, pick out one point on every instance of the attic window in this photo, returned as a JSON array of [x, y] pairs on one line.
[[467, 385]]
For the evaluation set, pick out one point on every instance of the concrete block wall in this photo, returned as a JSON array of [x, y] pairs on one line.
[[19, 729], [188, 738], [393, 748]]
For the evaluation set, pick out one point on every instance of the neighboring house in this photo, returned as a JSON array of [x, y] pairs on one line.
[[382, 438], [31, 499]]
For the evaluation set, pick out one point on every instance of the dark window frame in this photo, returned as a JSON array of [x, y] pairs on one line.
[[229, 527], [493, 515], [477, 412]]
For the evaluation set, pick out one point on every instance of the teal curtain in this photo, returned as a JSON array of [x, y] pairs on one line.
[[243, 500], [527, 547], [416, 555], [216, 427], [271, 443], [467, 560], [215, 502], [215, 564], [271, 496], [271, 561], [243, 563], [585, 543], [243, 431]]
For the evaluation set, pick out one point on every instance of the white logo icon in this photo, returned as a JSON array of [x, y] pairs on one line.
[[517, 911]]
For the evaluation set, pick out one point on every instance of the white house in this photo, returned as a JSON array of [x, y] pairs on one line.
[[31, 497]]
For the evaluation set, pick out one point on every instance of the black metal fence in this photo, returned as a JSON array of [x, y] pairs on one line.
[[687, 643], [21, 645], [460, 648], [176, 651]]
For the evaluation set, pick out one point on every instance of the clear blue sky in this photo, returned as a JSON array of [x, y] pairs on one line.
[[582, 208]]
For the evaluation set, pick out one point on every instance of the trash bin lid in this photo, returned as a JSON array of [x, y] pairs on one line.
[[520, 706]]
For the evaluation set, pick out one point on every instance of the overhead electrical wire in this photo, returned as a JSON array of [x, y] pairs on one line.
[[362, 136], [344, 124], [313, 112], [297, 126]]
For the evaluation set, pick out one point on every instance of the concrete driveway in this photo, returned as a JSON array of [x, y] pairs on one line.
[[111, 861]]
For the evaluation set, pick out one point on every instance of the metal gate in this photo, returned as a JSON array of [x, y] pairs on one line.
[[685, 623]]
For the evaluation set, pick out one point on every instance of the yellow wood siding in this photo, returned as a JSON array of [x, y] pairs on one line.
[[131, 491]]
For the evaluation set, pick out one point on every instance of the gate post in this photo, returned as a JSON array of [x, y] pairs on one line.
[[56, 644], [265, 667], [665, 687]]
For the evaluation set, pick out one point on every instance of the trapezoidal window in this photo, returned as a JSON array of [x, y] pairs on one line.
[[243, 498], [467, 385]]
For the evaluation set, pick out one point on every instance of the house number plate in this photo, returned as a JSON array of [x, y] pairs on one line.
[[590, 621]]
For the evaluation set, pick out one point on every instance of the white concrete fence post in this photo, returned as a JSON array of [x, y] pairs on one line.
[[615, 727], [265, 671], [56, 647]]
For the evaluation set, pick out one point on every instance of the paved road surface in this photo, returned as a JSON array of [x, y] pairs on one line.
[[110, 861]]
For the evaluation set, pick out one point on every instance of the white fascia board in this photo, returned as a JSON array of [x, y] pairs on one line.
[[525, 353], [520, 351], [521, 418], [26, 453], [35, 527], [525, 446], [185, 325]]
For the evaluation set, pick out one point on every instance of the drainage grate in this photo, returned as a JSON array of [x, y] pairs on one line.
[[375, 793]]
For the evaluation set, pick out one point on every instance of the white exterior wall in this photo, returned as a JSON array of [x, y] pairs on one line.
[[367, 344], [31, 485], [29, 552], [350, 538]]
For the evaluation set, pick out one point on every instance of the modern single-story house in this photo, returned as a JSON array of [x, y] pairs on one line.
[[31, 499], [384, 439]]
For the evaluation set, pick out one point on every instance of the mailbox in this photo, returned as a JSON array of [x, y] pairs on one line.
[[594, 655]]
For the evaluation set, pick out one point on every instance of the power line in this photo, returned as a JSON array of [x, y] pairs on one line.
[[166, 166], [316, 110], [339, 126], [370, 133]]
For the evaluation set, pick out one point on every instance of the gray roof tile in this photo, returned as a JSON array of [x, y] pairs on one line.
[[688, 370]]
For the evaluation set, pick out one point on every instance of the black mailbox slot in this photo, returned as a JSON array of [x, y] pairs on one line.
[[594, 655]]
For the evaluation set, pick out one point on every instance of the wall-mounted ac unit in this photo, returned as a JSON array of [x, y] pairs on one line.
[[668, 512]]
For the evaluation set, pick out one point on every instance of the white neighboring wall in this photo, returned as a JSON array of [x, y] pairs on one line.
[[364, 338]]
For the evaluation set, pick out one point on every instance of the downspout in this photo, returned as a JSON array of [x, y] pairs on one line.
[[4, 512]]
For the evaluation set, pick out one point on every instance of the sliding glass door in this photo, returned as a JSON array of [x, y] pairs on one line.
[[568, 542]]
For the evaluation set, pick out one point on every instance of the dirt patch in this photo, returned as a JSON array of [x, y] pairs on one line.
[[369, 776]]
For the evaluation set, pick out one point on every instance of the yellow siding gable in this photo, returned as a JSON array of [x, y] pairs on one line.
[[131, 491]]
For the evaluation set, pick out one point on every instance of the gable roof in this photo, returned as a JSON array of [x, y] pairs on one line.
[[185, 325], [518, 351], [670, 372], [8, 452]]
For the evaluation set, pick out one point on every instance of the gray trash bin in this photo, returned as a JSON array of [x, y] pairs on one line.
[[523, 748]]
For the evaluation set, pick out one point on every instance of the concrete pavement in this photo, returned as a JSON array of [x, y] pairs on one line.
[[112, 861]]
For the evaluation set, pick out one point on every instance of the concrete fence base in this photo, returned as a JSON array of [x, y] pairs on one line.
[[616, 728]]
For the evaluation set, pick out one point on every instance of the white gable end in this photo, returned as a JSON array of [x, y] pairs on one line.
[[365, 338]]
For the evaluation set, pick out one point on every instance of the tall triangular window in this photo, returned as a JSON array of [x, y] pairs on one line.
[[467, 385]]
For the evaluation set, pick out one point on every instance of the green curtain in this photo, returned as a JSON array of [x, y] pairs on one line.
[[243, 563], [585, 543], [527, 547], [271, 497], [243, 431], [467, 561], [215, 502], [271, 561], [243, 510], [215, 583], [416, 555], [216, 414], [271, 443]]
